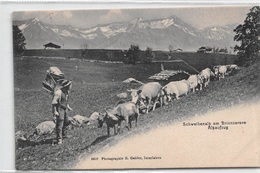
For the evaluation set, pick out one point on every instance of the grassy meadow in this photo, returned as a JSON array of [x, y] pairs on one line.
[[95, 86]]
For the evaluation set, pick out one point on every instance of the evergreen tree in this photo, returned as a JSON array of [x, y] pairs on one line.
[[84, 50], [249, 36], [18, 40], [148, 55], [133, 53]]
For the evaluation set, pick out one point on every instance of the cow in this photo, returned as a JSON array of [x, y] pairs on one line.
[[20, 135], [80, 120], [194, 81], [43, 129], [127, 112], [110, 120], [149, 92], [47, 128], [20, 139], [231, 68], [221, 71], [200, 82], [177, 88], [205, 76]]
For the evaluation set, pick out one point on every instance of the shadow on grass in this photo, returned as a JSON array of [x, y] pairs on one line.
[[96, 141], [47, 141], [28, 143]]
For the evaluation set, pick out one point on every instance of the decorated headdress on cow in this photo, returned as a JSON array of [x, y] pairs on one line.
[[55, 79]]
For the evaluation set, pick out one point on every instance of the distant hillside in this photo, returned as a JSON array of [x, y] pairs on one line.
[[157, 33], [197, 60]]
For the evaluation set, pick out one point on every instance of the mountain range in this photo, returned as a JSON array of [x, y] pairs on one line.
[[157, 34]]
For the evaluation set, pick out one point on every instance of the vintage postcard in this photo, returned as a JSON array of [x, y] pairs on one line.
[[137, 88]]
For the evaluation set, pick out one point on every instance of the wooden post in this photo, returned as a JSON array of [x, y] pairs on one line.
[[162, 68]]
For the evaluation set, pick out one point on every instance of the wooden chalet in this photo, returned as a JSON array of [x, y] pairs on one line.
[[51, 45]]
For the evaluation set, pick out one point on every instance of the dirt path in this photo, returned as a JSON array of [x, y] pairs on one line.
[[189, 146]]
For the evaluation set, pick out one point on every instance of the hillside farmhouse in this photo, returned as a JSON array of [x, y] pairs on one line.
[[178, 50], [51, 46], [205, 49]]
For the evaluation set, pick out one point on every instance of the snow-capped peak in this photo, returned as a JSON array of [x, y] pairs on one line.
[[135, 21], [120, 34]]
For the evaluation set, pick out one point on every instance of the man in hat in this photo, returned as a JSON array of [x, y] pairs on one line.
[[60, 106], [60, 88]]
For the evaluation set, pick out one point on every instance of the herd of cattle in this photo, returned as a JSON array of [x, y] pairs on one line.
[[144, 99]]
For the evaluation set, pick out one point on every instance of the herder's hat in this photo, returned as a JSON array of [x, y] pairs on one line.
[[55, 73]]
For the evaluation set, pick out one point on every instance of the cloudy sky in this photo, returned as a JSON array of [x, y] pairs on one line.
[[199, 17]]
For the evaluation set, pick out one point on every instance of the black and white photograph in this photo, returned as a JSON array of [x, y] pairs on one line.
[[140, 88]]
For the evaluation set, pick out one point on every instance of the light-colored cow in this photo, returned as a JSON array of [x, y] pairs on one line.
[[46, 128], [80, 120], [149, 92], [221, 71], [205, 76], [177, 88], [43, 129], [194, 81]]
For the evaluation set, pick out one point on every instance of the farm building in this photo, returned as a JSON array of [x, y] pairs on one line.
[[178, 50], [205, 49], [223, 50], [51, 45]]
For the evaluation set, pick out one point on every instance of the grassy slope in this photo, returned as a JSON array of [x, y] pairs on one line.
[[32, 105]]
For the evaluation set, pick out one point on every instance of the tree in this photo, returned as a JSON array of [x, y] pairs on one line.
[[84, 50], [231, 49], [133, 54], [225, 50], [148, 55], [170, 47], [18, 40], [249, 36]]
